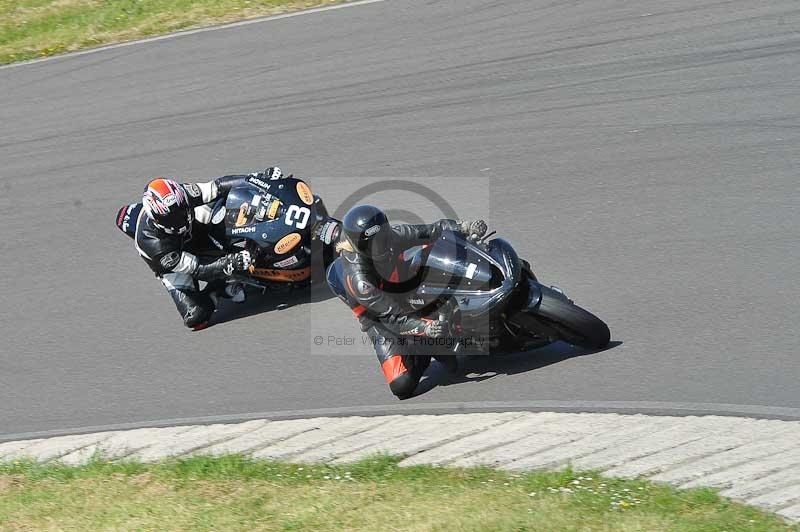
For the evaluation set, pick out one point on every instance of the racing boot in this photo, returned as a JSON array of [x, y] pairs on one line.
[[195, 308]]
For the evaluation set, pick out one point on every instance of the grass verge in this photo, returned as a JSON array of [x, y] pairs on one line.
[[39, 28], [236, 493]]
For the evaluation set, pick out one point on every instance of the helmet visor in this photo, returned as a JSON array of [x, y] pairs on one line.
[[378, 245], [176, 222]]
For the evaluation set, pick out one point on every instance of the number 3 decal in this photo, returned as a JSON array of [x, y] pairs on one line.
[[297, 216]]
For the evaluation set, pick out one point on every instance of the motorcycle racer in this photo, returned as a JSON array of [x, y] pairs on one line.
[[164, 239], [370, 251]]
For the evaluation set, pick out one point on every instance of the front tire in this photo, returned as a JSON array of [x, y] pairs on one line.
[[574, 324]]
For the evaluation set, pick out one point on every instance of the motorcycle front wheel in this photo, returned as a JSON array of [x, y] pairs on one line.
[[574, 324]]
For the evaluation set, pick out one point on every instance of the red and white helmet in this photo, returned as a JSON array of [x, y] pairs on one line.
[[167, 204]]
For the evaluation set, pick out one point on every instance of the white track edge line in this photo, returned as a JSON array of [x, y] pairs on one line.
[[620, 407], [204, 29]]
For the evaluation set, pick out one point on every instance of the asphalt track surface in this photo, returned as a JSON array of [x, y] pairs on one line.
[[641, 154]]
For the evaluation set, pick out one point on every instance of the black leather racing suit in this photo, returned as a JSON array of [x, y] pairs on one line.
[[175, 259], [387, 319]]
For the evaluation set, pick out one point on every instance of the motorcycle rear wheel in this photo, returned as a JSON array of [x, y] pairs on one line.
[[574, 324]]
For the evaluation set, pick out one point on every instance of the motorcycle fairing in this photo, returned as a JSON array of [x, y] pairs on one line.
[[477, 280], [271, 274], [476, 298], [251, 214]]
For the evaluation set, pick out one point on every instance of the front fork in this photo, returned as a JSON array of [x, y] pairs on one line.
[[521, 321]]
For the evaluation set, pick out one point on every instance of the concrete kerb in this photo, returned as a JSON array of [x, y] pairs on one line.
[[755, 461]]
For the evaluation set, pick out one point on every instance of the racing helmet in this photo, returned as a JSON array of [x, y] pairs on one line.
[[167, 204], [367, 230]]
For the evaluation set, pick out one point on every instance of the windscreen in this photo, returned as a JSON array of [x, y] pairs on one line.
[[452, 262], [247, 205]]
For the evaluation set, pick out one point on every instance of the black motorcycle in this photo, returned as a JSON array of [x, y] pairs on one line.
[[286, 229], [489, 296]]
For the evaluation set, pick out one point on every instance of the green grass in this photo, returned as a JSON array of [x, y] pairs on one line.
[[38, 28], [235, 493]]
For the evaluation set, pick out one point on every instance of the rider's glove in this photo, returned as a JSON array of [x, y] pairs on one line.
[[435, 329], [237, 262], [273, 172], [223, 266], [472, 228]]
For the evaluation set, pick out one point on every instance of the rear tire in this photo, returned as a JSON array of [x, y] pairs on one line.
[[576, 325]]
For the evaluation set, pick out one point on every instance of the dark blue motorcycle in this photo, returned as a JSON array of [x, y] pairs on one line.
[[489, 296], [285, 227]]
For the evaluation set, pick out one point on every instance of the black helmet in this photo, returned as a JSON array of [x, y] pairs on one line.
[[367, 229]]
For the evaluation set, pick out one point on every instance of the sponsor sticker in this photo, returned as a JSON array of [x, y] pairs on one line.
[[372, 230], [216, 242], [287, 262], [192, 189], [258, 182], [242, 230], [121, 215], [270, 274], [218, 216], [304, 191], [170, 260], [416, 301], [272, 211], [244, 209], [256, 200], [327, 232], [471, 270], [125, 217], [287, 243], [365, 288]]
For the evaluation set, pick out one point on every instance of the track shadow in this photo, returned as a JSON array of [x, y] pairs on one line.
[[481, 368], [270, 301]]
